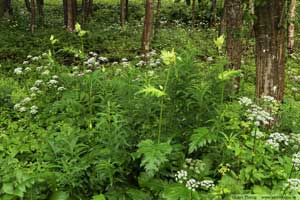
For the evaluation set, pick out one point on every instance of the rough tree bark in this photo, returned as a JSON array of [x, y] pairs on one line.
[[32, 24], [147, 28], [65, 6], [251, 12], [122, 13], [270, 49], [291, 29], [71, 15], [233, 14]]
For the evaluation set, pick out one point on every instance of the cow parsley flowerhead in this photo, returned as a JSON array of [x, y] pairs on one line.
[[293, 184], [18, 71], [296, 161], [277, 139], [245, 101], [33, 110]]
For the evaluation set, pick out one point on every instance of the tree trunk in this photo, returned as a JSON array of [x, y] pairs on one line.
[[32, 24], [122, 13], [65, 5], [251, 12], [71, 15], [233, 14], [147, 28], [270, 49], [213, 17], [291, 29]]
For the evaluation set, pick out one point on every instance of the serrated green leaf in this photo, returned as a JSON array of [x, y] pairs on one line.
[[201, 138], [152, 91], [153, 155]]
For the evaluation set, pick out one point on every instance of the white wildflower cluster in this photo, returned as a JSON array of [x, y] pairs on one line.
[[293, 184], [294, 141], [181, 176], [296, 161], [94, 60], [52, 83], [206, 184], [269, 99], [124, 62], [46, 72], [192, 184], [245, 101], [18, 71], [151, 57], [259, 116], [22, 106], [33, 110], [277, 139], [188, 175]]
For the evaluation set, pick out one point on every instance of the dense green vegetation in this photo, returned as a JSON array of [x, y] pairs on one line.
[[83, 117]]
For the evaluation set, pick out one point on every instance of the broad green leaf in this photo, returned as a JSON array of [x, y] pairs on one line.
[[59, 195], [219, 42], [98, 197], [176, 192]]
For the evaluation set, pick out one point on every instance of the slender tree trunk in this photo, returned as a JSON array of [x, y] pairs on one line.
[[90, 8], [270, 49], [291, 29], [251, 12], [233, 13], [122, 13], [32, 25], [65, 5], [71, 10], [147, 28], [193, 13]]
